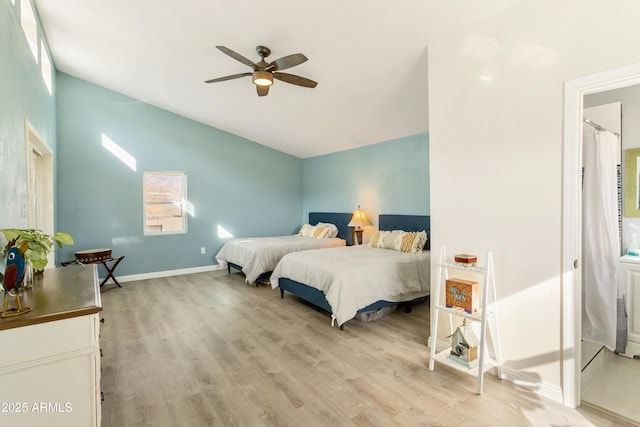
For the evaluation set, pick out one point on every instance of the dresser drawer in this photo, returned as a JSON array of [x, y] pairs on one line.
[[29, 344]]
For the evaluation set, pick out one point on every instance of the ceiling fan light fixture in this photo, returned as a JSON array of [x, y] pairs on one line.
[[263, 73], [262, 78]]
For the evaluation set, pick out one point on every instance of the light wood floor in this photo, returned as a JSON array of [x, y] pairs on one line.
[[208, 350], [613, 386]]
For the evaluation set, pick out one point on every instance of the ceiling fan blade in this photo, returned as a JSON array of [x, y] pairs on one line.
[[295, 80], [287, 62], [231, 77], [237, 56], [262, 90]]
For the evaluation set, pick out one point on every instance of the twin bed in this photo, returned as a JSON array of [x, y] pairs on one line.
[[358, 279], [258, 256], [343, 280]]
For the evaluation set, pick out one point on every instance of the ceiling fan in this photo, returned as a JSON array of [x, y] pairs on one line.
[[264, 72]]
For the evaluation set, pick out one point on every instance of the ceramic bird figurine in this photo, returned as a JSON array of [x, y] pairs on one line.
[[13, 278]]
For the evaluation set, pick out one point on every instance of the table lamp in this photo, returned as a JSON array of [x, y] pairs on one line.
[[358, 220]]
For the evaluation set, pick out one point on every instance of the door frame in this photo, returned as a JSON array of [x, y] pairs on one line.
[[571, 277], [35, 142]]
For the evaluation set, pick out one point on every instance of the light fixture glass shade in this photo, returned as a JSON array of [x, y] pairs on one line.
[[262, 78], [359, 219]]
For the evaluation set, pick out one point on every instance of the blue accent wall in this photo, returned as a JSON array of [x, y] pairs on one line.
[[245, 187], [390, 177], [23, 95]]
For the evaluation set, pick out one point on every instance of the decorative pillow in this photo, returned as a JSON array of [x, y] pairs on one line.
[[380, 239], [406, 243], [321, 232], [410, 242], [420, 242], [392, 240], [375, 238], [313, 231], [413, 242], [303, 229], [333, 230]]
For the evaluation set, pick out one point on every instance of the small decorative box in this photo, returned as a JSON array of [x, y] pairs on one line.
[[466, 259], [462, 293]]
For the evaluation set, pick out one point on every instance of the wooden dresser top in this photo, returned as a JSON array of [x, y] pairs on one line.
[[58, 293]]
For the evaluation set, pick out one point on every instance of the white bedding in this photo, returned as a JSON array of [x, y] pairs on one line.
[[257, 255], [353, 277]]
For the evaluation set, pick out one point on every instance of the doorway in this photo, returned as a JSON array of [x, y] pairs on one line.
[[575, 90], [39, 161]]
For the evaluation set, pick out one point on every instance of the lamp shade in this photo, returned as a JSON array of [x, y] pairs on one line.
[[359, 219], [262, 78]]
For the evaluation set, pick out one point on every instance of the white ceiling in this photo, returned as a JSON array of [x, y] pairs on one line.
[[368, 57]]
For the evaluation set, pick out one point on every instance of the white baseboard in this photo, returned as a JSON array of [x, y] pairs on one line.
[[167, 273], [533, 384], [440, 344], [521, 379]]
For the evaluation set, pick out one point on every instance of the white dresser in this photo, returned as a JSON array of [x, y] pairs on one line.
[[50, 357], [631, 276]]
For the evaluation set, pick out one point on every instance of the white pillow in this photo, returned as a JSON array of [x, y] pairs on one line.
[[333, 230], [392, 240], [420, 243]]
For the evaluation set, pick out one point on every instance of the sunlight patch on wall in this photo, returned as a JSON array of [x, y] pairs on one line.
[[45, 68], [533, 55], [119, 152], [223, 233], [126, 240], [189, 208], [480, 47]]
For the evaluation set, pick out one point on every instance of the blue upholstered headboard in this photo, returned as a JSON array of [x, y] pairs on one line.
[[385, 222], [406, 223], [339, 219]]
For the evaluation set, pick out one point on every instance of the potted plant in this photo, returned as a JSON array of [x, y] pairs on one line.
[[39, 244]]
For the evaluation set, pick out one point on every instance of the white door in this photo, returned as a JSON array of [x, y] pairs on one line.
[[572, 218]]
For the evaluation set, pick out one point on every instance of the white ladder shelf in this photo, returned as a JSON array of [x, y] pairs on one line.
[[487, 316]]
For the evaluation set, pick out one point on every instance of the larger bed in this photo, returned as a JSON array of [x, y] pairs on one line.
[[356, 279], [258, 256]]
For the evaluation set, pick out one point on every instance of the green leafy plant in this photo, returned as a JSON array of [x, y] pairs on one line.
[[39, 243]]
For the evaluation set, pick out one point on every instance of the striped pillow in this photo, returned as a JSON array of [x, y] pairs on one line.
[[373, 242], [308, 230], [413, 242], [406, 244], [321, 232], [410, 242]]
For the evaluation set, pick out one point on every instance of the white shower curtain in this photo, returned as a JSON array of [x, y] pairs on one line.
[[601, 238]]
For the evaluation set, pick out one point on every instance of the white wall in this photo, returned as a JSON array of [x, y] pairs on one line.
[[496, 139]]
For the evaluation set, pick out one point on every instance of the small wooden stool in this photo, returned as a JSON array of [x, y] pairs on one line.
[[111, 269], [98, 256]]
